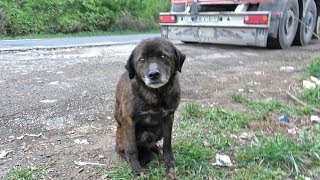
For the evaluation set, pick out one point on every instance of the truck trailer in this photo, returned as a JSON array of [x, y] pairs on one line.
[[263, 23]]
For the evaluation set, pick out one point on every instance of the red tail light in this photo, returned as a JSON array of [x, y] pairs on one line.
[[168, 19], [256, 19]]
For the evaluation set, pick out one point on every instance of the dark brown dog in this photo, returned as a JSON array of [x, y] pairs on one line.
[[147, 95]]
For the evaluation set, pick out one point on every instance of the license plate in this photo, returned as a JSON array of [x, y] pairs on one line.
[[201, 19]]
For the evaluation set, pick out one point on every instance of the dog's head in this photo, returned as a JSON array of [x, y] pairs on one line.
[[154, 61]]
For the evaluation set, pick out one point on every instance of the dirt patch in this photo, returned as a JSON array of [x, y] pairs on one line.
[[68, 95]]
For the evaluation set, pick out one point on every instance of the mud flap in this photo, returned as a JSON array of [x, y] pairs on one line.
[[164, 32]]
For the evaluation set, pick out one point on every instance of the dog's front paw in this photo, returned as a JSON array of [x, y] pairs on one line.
[[170, 164], [139, 171]]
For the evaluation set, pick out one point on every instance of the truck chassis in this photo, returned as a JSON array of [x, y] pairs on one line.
[[263, 23]]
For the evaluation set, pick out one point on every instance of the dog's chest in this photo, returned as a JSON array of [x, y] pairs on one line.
[[154, 116]]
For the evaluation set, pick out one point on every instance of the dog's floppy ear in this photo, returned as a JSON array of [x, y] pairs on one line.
[[179, 58], [129, 66]]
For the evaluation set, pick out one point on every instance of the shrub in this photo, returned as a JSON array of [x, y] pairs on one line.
[[23, 17], [4, 23]]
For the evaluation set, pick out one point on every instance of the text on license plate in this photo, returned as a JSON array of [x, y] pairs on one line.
[[203, 19]]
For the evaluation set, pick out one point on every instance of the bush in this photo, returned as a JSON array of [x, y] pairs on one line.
[[127, 22], [4, 23], [23, 17]]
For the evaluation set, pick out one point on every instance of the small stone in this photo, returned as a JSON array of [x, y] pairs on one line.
[[315, 118], [222, 160], [205, 143], [101, 156], [80, 170], [308, 85], [286, 68], [292, 131], [71, 132]]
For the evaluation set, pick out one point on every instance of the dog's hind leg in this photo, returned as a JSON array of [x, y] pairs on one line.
[[119, 141]]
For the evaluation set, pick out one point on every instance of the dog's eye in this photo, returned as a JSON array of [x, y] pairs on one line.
[[141, 60]]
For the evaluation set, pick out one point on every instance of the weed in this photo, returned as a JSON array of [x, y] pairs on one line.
[[311, 96], [271, 106], [314, 68], [191, 110], [28, 173], [293, 156]]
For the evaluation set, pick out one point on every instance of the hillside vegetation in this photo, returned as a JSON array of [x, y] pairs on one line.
[[22, 17]]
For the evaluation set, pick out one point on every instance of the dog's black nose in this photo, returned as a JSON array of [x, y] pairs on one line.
[[154, 75]]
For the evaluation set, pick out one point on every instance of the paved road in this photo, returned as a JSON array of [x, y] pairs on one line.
[[27, 44]]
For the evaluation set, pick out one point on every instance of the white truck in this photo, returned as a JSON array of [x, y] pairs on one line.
[[262, 23]]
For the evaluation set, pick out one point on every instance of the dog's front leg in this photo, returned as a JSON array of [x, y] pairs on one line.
[[131, 150], [167, 150]]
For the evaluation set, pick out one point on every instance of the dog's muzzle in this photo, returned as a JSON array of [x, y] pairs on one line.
[[154, 77]]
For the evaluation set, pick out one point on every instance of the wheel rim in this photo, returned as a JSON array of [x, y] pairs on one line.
[[309, 22], [289, 23]]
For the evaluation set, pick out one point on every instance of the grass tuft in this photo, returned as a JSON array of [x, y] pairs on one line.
[[311, 96], [191, 110], [28, 173], [270, 106], [314, 68], [296, 157]]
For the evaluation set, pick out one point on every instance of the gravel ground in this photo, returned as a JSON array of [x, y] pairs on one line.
[[56, 105]]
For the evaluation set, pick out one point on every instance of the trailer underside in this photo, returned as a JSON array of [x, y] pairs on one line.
[[217, 35]]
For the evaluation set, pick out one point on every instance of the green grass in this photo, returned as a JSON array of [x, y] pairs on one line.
[[311, 97], [293, 157], [263, 107], [80, 34], [194, 158], [20, 173], [314, 68], [203, 132]]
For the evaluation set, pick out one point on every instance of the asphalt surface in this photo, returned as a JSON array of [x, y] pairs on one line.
[[28, 44]]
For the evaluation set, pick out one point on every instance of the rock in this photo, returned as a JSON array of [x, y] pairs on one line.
[[286, 69], [81, 141], [222, 160], [315, 80], [308, 84], [315, 118]]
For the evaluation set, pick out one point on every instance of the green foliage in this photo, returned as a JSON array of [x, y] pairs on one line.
[[314, 68], [29, 173], [191, 110], [311, 96], [69, 16]]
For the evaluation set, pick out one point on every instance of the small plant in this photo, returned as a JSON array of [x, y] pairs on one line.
[[314, 68], [311, 96], [270, 106], [28, 173], [294, 156], [191, 110]]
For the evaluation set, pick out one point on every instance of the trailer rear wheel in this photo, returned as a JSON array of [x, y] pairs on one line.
[[304, 34], [287, 27]]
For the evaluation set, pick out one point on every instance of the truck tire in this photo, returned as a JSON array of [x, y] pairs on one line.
[[304, 34], [287, 27]]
